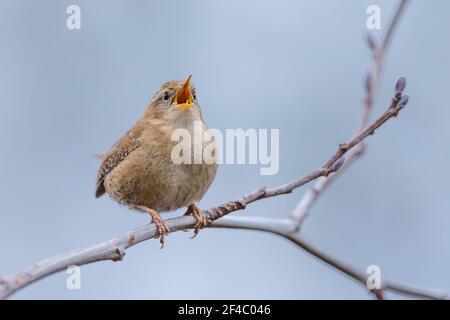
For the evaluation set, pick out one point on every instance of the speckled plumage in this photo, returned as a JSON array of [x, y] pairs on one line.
[[138, 171]]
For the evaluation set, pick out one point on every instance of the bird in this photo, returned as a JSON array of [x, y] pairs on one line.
[[138, 170]]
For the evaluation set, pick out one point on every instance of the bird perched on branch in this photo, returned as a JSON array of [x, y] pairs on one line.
[[139, 172]]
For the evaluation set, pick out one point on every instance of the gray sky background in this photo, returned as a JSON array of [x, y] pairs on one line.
[[293, 65]]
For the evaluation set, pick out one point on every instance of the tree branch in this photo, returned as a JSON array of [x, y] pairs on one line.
[[115, 248], [372, 83], [287, 229]]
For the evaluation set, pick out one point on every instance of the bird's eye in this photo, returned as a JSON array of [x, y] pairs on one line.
[[194, 96], [166, 96]]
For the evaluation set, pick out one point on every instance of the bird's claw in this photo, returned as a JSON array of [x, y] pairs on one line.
[[161, 227], [162, 230], [201, 222], [199, 216]]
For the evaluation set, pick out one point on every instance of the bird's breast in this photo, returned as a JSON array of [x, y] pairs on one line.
[[166, 184]]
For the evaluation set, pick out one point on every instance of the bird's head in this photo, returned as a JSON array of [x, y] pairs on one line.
[[176, 102]]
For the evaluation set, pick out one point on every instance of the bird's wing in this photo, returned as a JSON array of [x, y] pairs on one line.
[[118, 152]]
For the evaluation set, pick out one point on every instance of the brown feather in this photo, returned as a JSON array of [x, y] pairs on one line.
[[119, 151]]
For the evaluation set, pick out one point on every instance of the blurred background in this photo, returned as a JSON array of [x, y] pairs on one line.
[[298, 66]]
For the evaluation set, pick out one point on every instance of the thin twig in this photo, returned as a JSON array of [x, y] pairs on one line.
[[393, 24], [372, 83]]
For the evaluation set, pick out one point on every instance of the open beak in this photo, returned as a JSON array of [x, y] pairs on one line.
[[183, 98]]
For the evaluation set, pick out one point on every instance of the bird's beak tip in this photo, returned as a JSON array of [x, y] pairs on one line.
[[184, 95]]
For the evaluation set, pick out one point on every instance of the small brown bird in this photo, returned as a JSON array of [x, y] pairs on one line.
[[138, 170]]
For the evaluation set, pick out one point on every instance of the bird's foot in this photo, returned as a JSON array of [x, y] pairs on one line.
[[199, 216], [161, 227]]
